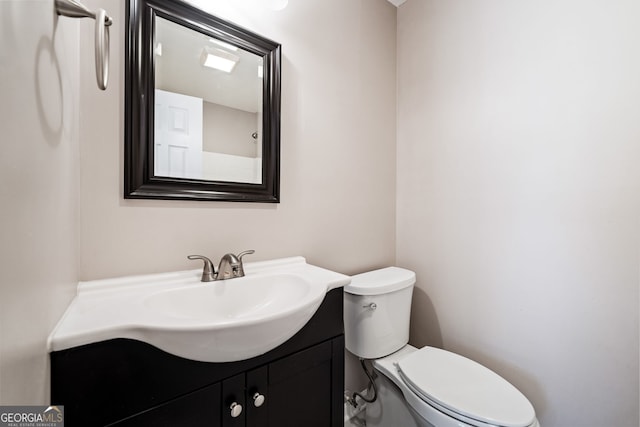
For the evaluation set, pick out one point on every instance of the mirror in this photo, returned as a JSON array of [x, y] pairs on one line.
[[208, 107], [202, 107]]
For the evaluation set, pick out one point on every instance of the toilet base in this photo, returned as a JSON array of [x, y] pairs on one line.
[[390, 408]]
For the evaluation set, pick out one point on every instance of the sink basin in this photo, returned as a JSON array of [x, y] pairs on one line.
[[235, 319], [238, 301], [220, 321]]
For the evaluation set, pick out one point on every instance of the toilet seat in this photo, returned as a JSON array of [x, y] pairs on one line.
[[464, 389]]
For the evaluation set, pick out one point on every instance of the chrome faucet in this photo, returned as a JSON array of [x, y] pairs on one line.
[[230, 266]]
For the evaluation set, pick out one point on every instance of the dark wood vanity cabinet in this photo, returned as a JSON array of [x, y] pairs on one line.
[[128, 383]]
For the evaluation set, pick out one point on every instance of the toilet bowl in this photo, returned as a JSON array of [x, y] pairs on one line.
[[438, 388]]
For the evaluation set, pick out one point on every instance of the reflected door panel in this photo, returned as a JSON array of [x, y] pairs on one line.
[[178, 135]]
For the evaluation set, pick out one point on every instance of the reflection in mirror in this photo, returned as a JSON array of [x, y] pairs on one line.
[[202, 107], [208, 107]]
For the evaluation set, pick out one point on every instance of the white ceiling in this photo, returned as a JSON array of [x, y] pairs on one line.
[[397, 3]]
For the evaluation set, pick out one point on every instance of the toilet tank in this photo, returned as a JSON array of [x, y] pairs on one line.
[[377, 308]]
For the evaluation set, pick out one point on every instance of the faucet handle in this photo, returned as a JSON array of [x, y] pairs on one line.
[[241, 266], [249, 252], [209, 271]]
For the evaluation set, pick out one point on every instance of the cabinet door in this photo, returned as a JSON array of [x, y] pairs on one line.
[[258, 397], [302, 390], [197, 409], [233, 401]]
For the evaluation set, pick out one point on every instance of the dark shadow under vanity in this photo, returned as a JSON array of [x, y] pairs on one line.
[[124, 382]]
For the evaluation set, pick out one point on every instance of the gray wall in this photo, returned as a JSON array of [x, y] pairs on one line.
[[39, 172], [228, 130], [338, 153], [519, 194]]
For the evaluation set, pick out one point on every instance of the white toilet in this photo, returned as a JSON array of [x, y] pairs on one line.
[[437, 387]]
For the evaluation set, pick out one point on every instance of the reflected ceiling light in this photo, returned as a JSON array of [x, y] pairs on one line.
[[224, 45], [218, 59], [158, 49], [260, 71]]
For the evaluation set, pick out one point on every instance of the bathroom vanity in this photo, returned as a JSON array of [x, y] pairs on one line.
[[128, 381]]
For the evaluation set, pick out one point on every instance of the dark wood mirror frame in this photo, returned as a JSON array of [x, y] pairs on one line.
[[139, 179]]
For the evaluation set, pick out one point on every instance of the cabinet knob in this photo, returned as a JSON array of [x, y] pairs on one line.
[[258, 400], [236, 409]]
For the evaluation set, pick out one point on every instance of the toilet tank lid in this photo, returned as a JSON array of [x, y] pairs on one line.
[[381, 281]]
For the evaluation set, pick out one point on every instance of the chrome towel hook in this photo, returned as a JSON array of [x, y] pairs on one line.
[[75, 9]]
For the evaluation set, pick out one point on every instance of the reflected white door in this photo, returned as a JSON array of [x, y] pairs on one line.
[[178, 135]]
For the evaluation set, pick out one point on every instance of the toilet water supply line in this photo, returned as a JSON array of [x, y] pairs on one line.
[[75, 9], [351, 399]]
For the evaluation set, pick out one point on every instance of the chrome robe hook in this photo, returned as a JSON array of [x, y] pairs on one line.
[[75, 9]]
